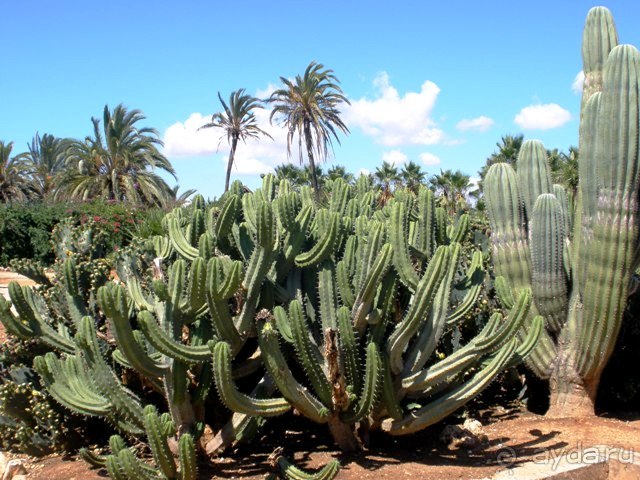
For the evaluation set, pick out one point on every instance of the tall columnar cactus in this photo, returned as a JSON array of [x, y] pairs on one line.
[[580, 278]]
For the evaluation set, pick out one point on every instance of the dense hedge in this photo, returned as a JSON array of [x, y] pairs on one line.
[[25, 228]]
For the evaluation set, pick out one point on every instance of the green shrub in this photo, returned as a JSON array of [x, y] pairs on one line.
[[25, 228]]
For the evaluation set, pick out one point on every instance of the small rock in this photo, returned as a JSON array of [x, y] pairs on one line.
[[13, 469], [469, 436], [21, 476]]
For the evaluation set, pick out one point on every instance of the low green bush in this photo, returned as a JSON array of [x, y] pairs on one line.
[[25, 228]]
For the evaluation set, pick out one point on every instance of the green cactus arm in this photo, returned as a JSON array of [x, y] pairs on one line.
[[389, 393], [187, 456], [92, 458], [217, 300], [322, 248], [137, 295], [75, 303], [258, 265], [133, 468], [195, 297], [344, 284], [490, 338], [14, 325], [327, 295], [598, 39], [179, 241], [509, 241], [126, 411], [349, 350], [226, 218], [114, 469], [548, 276], [34, 313], [282, 322], [612, 251], [31, 269], [112, 301], [290, 472], [158, 443], [370, 283], [528, 343], [429, 336], [48, 368], [420, 305], [446, 404], [398, 238], [279, 370], [235, 400], [504, 293], [426, 240], [533, 173], [162, 246], [441, 226], [461, 229], [308, 353], [473, 283], [370, 390]]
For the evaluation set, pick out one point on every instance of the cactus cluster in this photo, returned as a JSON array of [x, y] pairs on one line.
[[334, 310], [578, 264]]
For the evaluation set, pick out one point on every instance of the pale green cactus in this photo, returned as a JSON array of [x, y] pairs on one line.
[[579, 278]]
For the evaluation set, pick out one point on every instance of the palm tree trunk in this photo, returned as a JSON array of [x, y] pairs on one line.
[[312, 164], [232, 156]]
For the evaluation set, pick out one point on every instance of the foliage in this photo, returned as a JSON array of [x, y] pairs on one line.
[[117, 162], [13, 184], [26, 227]]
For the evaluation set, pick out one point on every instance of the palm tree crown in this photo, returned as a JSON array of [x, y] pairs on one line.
[[44, 161], [117, 163], [412, 176], [13, 184], [238, 122], [309, 107]]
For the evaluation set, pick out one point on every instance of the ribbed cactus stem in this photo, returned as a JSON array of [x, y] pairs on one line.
[[549, 279], [533, 173]]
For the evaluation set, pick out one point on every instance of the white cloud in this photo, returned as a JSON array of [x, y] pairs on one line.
[[256, 156], [429, 159], [395, 120], [182, 139], [394, 157], [542, 117], [479, 124], [578, 82]]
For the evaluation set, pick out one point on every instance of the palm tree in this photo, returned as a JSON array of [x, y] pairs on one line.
[[117, 163], [43, 162], [566, 171], [309, 107], [385, 175], [508, 149], [454, 188], [13, 183], [338, 171], [289, 172], [238, 123], [412, 175]]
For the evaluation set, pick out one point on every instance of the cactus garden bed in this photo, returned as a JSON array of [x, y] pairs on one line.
[[514, 438]]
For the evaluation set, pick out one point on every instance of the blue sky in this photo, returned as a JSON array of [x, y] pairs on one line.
[[436, 82]]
